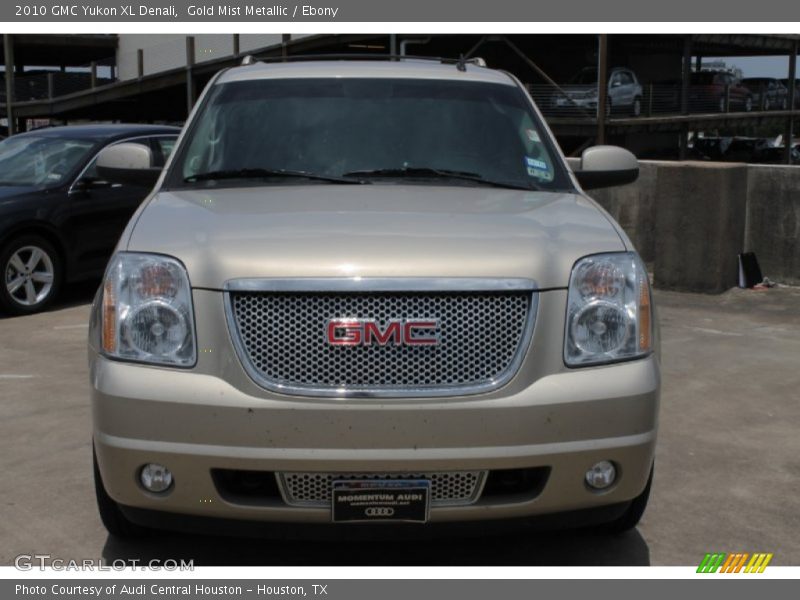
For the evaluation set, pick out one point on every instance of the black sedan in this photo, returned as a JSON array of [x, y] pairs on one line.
[[59, 221]]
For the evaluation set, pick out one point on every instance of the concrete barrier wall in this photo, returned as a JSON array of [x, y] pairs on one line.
[[773, 220], [690, 220]]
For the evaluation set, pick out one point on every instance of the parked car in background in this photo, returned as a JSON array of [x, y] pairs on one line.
[[59, 221], [786, 84], [718, 91], [777, 155], [768, 93], [729, 149], [624, 92]]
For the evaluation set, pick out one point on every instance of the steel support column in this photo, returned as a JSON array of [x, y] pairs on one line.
[[686, 76], [190, 84], [602, 87], [789, 135], [8, 48]]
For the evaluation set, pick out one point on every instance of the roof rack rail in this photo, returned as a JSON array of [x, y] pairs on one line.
[[475, 61]]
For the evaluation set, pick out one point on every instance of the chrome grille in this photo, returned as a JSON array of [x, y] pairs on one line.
[[281, 338], [448, 488]]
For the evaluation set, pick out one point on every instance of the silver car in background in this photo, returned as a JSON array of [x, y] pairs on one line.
[[372, 292], [581, 93]]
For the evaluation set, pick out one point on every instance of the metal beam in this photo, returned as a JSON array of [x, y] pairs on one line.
[[686, 75], [190, 85], [8, 48], [602, 87], [789, 136]]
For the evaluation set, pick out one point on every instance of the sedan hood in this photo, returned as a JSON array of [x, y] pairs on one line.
[[374, 230], [13, 191], [580, 90]]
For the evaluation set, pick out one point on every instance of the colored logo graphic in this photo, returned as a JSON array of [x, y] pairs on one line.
[[740, 562]]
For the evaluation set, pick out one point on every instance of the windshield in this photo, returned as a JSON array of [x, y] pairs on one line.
[[306, 131], [40, 161]]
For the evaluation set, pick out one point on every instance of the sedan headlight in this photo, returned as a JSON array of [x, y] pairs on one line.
[[146, 310], [609, 316]]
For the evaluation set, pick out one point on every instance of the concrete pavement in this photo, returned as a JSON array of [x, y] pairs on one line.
[[727, 470]]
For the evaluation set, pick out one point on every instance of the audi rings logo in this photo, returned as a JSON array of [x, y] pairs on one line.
[[379, 511]]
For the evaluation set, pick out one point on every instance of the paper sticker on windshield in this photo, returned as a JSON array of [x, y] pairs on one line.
[[533, 135], [542, 174], [538, 168], [535, 163]]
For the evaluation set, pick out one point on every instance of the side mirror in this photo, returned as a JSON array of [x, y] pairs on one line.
[[606, 166], [128, 163]]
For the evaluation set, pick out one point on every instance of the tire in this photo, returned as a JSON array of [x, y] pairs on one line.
[[30, 275], [634, 513], [114, 521], [637, 107]]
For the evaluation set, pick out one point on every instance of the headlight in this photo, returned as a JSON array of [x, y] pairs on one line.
[[609, 314], [147, 311]]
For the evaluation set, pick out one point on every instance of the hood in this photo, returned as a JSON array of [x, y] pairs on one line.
[[12, 191], [580, 90], [373, 231]]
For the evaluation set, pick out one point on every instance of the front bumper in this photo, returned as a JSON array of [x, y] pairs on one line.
[[214, 417]]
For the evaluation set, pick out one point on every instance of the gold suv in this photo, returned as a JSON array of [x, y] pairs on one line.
[[370, 292]]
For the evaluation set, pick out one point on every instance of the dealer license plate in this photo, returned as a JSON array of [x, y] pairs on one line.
[[381, 500]]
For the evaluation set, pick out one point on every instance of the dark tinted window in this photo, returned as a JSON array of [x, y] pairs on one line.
[[338, 126]]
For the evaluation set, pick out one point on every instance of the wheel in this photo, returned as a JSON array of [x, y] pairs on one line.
[[637, 106], [634, 512], [31, 269], [114, 521]]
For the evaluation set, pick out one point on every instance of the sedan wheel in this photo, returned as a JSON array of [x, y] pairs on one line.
[[30, 275]]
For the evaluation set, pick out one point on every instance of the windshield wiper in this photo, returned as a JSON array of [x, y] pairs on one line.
[[254, 173], [427, 172]]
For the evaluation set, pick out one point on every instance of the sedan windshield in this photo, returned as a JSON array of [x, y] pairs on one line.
[[374, 131], [41, 161]]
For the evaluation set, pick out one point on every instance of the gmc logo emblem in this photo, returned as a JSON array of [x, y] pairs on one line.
[[398, 332]]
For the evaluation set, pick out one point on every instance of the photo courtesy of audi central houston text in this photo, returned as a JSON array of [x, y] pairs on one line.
[[397, 287]]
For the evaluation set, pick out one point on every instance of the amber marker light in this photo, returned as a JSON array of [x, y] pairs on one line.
[[645, 316], [109, 317]]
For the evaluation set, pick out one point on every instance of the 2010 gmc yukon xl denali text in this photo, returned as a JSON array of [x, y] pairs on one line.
[[371, 291]]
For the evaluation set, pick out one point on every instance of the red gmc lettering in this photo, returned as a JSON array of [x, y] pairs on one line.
[[357, 332], [351, 335], [409, 328], [373, 331]]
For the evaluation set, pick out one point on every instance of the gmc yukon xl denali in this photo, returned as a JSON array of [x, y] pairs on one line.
[[371, 292]]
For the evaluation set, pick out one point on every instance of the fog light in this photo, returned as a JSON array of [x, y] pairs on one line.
[[601, 475], [155, 478]]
